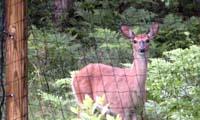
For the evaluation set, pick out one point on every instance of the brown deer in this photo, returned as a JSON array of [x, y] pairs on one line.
[[123, 88]]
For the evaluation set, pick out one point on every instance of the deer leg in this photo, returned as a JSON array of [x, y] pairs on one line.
[[143, 115], [134, 116]]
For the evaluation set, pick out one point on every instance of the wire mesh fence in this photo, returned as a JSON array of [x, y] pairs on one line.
[[66, 40]]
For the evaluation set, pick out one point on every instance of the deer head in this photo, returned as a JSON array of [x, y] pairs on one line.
[[140, 42]]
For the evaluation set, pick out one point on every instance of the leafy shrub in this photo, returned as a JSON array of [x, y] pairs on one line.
[[137, 16], [51, 55], [86, 110], [173, 85], [175, 33], [54, 104], [48, 48], [109, 48]]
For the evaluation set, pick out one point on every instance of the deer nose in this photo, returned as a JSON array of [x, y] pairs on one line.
[[141, 46], [142, 50]]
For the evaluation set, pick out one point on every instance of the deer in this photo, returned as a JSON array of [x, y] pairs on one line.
[[124, 88]]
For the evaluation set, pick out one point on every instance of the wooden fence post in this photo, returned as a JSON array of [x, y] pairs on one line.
[[16, 60]]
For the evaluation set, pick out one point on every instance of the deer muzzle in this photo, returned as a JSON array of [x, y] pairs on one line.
[[142, 46]]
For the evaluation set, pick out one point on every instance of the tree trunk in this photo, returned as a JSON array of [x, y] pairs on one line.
[[61, 9]]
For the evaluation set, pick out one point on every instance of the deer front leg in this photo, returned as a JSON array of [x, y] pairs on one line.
[[134, 117], [130, 114]]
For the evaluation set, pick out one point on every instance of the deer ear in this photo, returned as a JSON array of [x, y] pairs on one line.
[[153, 30], [127, 32]]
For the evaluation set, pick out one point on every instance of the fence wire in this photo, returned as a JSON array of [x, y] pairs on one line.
[[64, 36]]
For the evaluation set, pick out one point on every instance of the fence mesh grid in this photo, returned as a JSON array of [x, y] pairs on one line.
[[64, 36]]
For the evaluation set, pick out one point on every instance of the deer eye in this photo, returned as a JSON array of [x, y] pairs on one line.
[[147, 41], [134, 41]]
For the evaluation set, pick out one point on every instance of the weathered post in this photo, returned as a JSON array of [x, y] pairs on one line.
[[2, 90], [16, 60]]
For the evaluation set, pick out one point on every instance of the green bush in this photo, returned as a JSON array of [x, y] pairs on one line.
[[109, 48], [173, 85], [47, 49], [86, 110], [176, 33], [51, 55]]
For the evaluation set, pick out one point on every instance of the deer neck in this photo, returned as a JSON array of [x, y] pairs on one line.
[[139, 68]]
